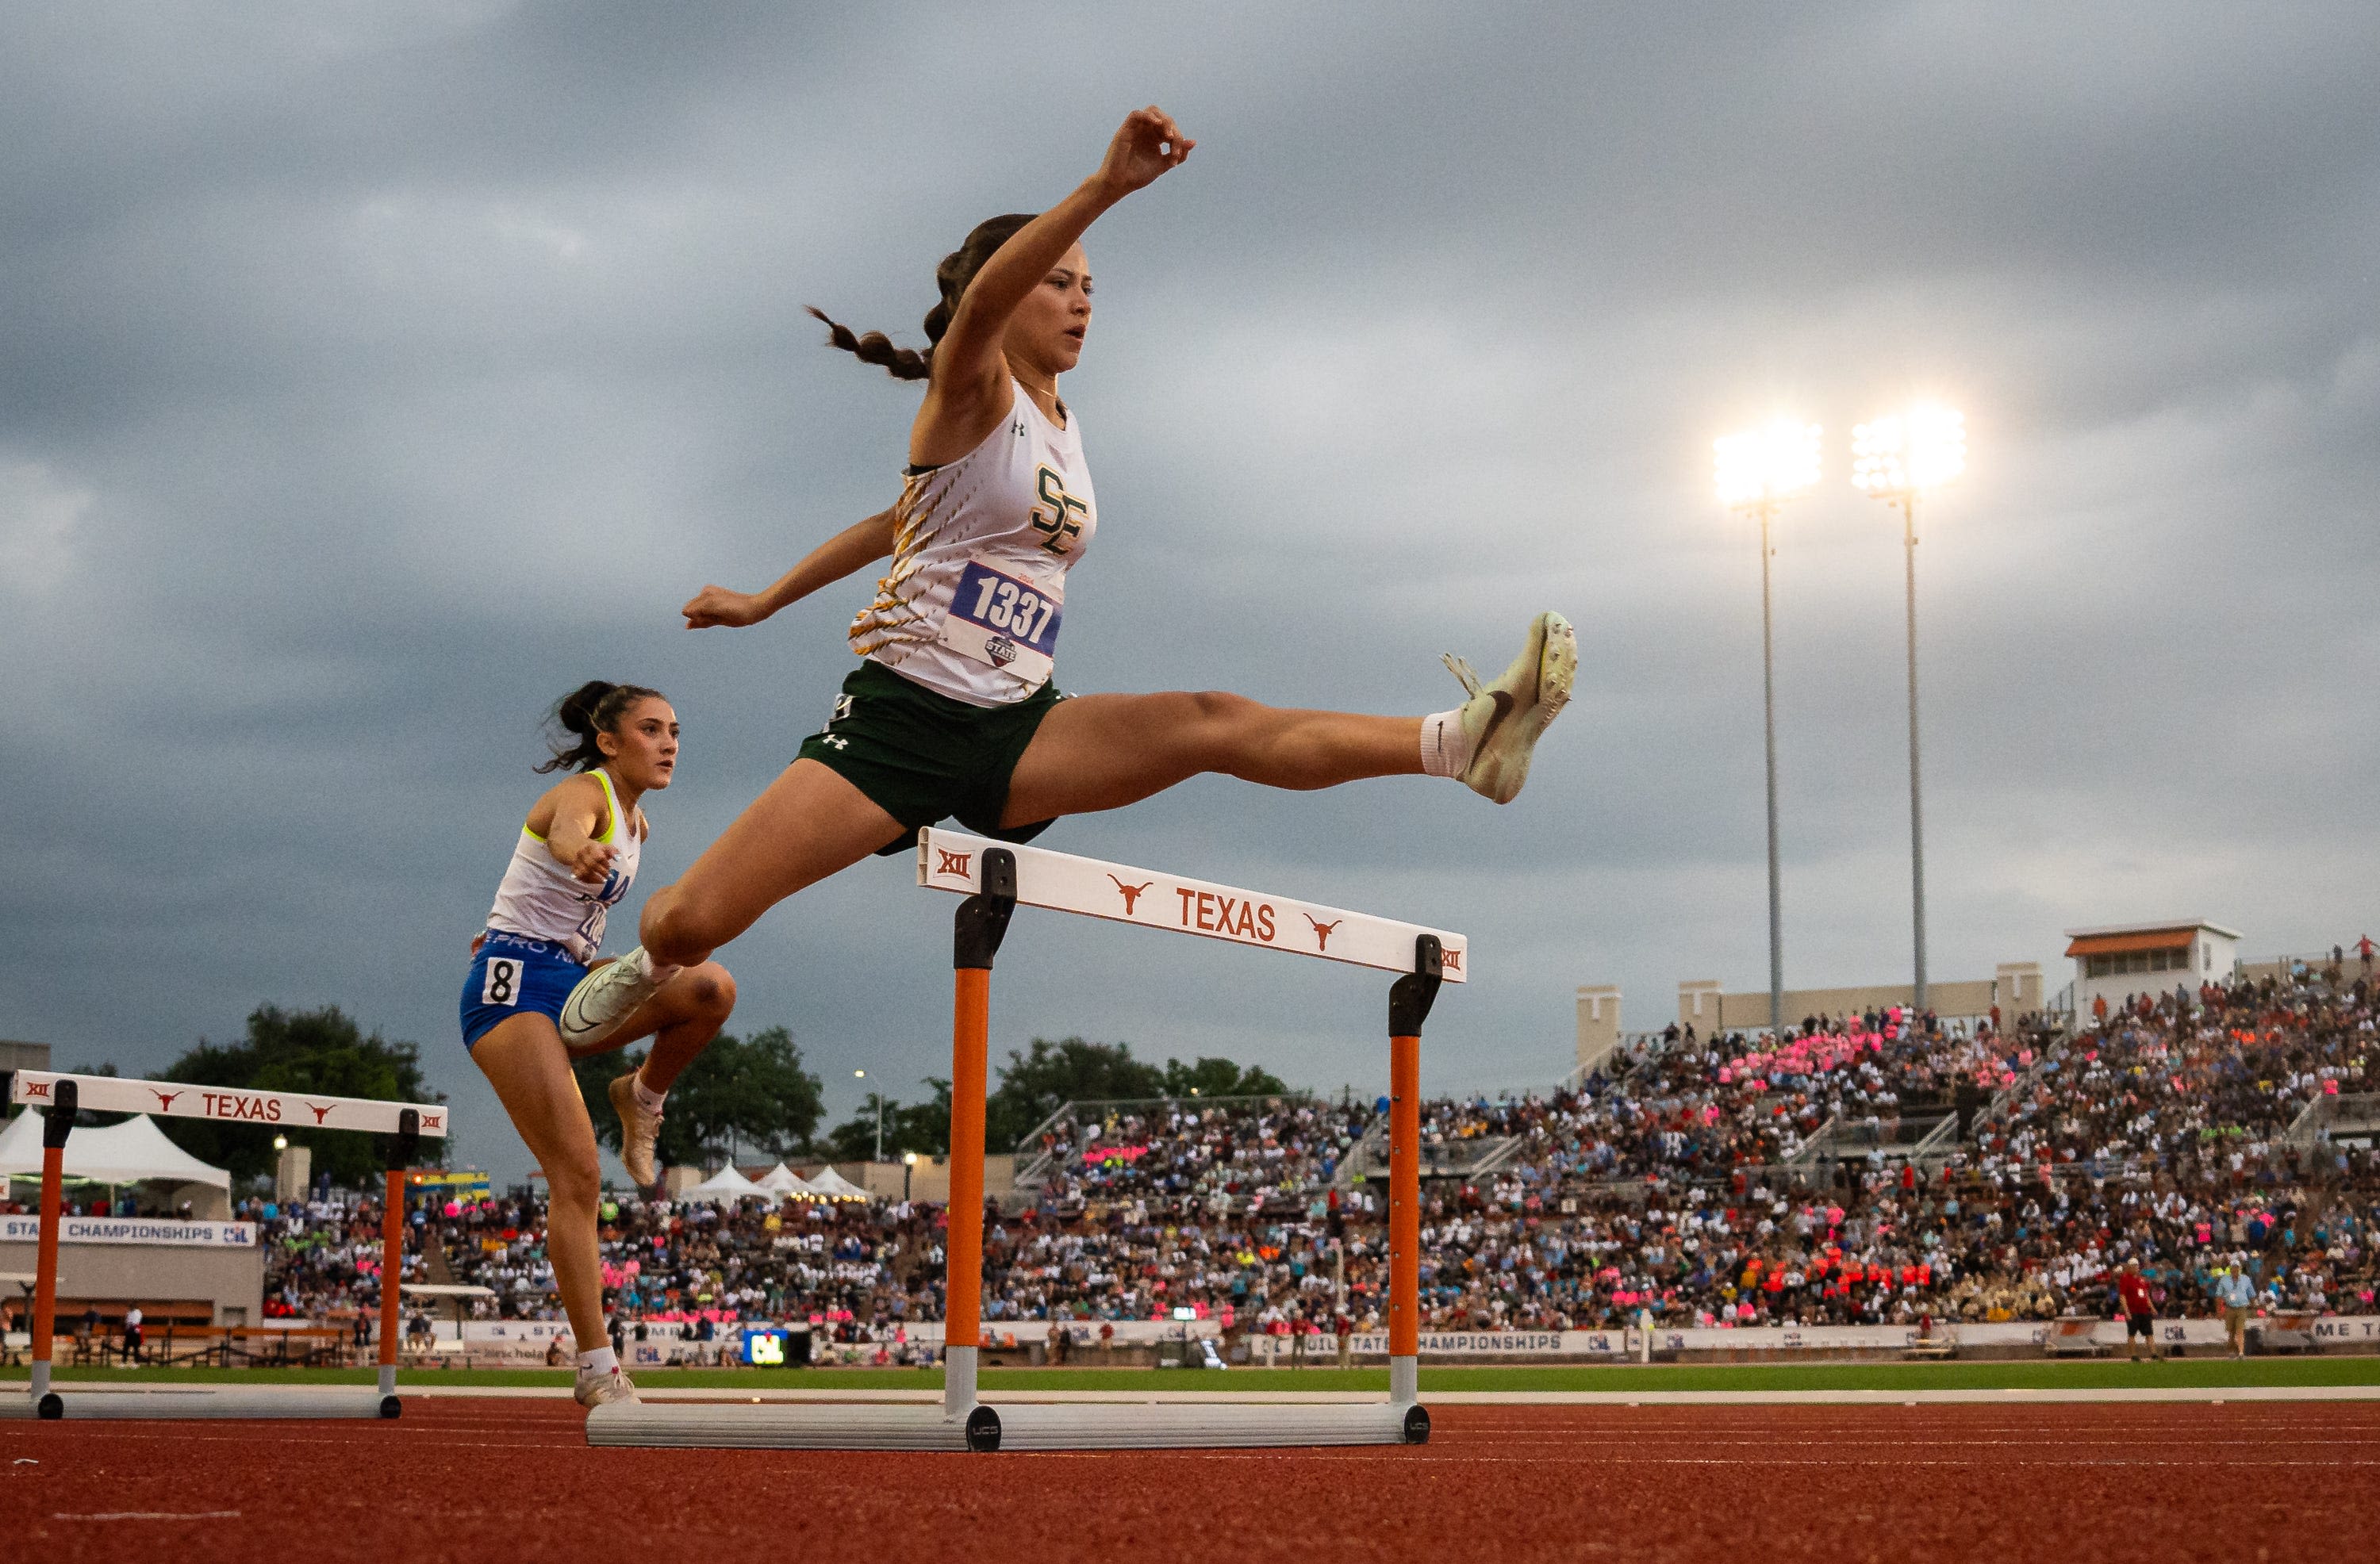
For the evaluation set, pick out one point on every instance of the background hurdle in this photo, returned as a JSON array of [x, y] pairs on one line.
[[995, 880], [65, 1096]]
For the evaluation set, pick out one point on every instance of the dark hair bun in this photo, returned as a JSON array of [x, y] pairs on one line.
[[576, 711], [593, 709]]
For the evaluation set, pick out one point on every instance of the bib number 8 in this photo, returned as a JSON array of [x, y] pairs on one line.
[[502, 984]]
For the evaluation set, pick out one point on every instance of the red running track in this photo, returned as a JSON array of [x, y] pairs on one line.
[[512, 1481]]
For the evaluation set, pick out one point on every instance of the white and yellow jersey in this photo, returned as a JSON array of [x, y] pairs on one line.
[[982, 546], [539, 898]]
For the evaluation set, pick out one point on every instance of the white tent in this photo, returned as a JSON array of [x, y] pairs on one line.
[[782, 1180], [117, 1154], [723, 1185], [832, 1185]]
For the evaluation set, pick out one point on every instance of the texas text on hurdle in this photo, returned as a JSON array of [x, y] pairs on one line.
[[231, 1105], [949, 860], [996, 880], [61, 1096]]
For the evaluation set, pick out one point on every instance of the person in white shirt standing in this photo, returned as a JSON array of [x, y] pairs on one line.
[[955, 711], [2238, 1295]]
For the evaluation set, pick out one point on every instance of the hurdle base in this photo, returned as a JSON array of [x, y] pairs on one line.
[[1017, 1426], [1207, 1425], [179, 1405], [815, 1426]]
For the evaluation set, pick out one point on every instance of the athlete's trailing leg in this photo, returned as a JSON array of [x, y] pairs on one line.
[[810, 823]]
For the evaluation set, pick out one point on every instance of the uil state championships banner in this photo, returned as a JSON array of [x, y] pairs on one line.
[[133, 1230]]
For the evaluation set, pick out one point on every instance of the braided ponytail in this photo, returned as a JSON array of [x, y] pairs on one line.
[[957, 270]]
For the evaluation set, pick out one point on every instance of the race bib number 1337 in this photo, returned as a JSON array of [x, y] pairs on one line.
[[1006, 619]]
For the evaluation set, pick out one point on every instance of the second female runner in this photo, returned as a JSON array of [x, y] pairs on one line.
[[575, 860]]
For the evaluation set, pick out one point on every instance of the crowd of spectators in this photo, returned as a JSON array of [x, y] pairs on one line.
[[1682, 1186]]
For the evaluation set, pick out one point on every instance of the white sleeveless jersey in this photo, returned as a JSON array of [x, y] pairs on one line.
[[541, 900], [982, 546]]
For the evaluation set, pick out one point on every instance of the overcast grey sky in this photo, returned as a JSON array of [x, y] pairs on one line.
[[371, 374]]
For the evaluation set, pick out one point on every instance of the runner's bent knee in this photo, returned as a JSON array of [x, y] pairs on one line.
[[711, 991], [675, 933]]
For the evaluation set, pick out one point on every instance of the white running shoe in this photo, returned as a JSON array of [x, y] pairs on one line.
[[638, 1130], [602, 1386], [1503, 719], [605, 997]]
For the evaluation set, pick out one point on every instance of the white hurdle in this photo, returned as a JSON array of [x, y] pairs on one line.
[[996, 878], [66, 1095]]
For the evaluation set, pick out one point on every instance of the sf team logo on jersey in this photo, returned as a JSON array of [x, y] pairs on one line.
[[1058, 515], [1005, 619]]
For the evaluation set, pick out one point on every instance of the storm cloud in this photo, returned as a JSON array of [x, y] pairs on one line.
[[371, 374]]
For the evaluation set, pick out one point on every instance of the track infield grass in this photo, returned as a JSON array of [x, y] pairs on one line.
[[2019, 1374]]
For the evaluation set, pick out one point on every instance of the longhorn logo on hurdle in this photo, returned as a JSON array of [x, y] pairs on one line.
[[1131, 892]]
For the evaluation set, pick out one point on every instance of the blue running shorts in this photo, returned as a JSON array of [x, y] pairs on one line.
[[513, 974]]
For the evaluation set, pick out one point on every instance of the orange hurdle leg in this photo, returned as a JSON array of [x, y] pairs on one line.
[[392, 1271], [391, 1250], [981, 923], [963, 1286], [1409, 1002], [55, 1130]]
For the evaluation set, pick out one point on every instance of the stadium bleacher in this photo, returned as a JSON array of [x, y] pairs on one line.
[[1833, 1177]]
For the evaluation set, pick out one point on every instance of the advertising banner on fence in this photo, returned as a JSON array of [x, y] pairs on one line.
[[527, 1342], [2335, 1329], [1487, 1343], [133, 1230], [524, 1341]]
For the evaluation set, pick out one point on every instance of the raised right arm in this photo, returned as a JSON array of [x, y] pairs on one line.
[[855, 547], [969, 386]]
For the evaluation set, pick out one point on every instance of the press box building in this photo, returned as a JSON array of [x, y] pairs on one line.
[[2122, 960]]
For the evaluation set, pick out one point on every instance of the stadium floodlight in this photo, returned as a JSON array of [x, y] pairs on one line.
[[1757, 471], [1896, 459], [1761, 466], [1909, 453]]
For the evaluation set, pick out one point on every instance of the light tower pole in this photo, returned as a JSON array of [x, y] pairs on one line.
[[1896, 459], [878, 1098], [1757, 472]]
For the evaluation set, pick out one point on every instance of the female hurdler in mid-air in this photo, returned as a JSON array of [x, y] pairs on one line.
[[953, 713], [575, 858]]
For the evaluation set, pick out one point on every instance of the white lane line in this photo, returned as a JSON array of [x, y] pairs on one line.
[[154, 1515]]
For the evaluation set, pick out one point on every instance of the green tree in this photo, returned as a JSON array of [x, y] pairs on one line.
[[1033, 1084], [749, 1093], [1036, 1083], [922, 1127], [321, 1051], [1221, 1077]]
